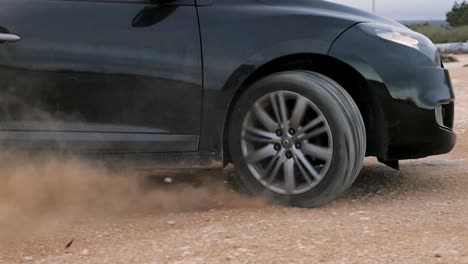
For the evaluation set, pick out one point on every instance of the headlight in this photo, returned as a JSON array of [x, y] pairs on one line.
[[403, 36]]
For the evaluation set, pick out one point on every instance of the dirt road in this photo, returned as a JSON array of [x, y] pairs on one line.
[[417, 215]]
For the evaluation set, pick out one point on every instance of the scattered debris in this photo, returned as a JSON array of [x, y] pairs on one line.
[[168, 180], [243, 250], [69, 243], [28, 258]]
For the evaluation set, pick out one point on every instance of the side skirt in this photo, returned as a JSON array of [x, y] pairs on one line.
[[98, 142]]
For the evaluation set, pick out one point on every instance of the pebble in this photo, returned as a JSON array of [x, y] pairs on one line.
[[85, 252], [28, 258], [357, 213], [168, 180], [243, 250], [437, 255], [171, 222]]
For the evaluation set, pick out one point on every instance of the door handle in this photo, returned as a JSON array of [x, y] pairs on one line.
[[8, 37]]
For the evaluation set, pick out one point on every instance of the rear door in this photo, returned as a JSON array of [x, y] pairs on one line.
[[100, 75]]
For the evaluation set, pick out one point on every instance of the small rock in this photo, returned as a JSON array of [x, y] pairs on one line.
[[243, 250], [437, 255], [28, 258], [168, 180], [85, 252], [300, 246], [357, 213], [171, 222]]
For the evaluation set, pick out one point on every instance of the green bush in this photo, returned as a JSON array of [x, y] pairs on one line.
[[448, 58], [458, 16], [442, 34]]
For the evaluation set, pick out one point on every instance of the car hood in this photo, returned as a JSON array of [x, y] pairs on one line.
[[335, 10]]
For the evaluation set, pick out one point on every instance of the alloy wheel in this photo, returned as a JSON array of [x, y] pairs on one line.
[[286, 143]]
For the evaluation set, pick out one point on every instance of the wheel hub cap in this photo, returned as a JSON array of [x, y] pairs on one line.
[[286, 143]]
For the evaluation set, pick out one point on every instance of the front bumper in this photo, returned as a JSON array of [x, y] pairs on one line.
[[414, 97]]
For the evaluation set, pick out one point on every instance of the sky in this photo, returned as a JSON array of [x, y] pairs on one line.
[[405, 9]]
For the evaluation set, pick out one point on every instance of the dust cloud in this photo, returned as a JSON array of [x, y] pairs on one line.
[[42, 193]]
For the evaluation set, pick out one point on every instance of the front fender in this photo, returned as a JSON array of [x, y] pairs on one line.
[[239, 36]]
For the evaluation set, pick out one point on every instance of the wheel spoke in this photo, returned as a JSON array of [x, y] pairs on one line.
[[310, 169], [259, 135], [283, 111], [303, 170], [261, 154], [321, 153], [260, 139], [314, 133], [275, 165], [289, 177], [298, 112], [312, 123], [270, 165], [275, 106], [264, 118]]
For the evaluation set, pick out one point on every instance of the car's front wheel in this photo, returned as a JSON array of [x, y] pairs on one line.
[[297, 138]]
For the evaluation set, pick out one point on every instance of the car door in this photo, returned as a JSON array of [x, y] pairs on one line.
[[100, 75]]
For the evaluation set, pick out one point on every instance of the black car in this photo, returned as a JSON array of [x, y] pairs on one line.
[[294, 93]]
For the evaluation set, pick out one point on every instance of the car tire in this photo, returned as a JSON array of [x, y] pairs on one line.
[[296, 138]]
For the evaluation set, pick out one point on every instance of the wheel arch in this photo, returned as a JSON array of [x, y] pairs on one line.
[[349, 78]]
